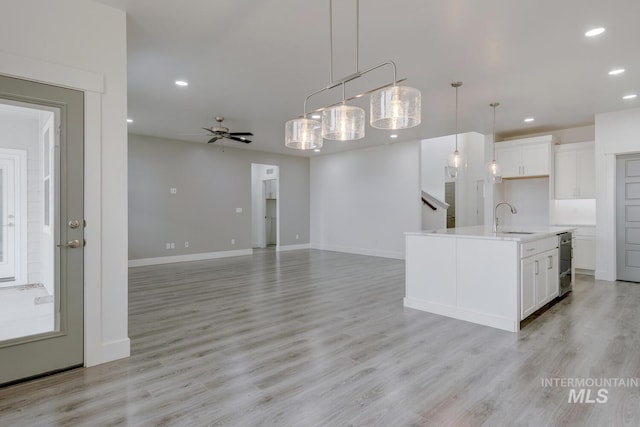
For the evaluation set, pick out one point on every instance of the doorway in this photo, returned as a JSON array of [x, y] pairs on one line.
[[450, 198], [265, 205], [628, 217], [41, 205]]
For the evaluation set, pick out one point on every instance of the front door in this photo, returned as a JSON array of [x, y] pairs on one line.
[[628, 217], [42, 236]]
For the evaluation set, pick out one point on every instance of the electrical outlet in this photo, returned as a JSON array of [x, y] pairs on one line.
[[233, 241], [297, 236], [186, 244], [173, 190], [173, 245], [168, 246]]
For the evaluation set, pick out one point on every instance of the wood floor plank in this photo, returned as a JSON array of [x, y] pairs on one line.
[[318, 338]]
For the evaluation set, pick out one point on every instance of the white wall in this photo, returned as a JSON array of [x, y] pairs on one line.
[[211, 182], [616, 133], [433, 157], [530, 196], [362, 201], [82, 44]]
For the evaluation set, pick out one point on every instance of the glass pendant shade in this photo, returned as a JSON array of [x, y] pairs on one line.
[[343, 123], [454, 163], [303, 134], [493, 172], [396, 107]]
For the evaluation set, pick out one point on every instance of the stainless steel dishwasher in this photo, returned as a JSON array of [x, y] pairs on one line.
[[566, 260]]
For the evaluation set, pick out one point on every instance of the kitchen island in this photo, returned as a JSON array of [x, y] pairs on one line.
[[474, 274]]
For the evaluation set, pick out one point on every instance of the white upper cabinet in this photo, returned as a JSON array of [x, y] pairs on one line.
[[575, 171], [526, 157]]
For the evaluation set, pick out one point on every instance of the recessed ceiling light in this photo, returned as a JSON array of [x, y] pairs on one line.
[[129, 120], [616, 71], [529, 119], [633, 95], [594, 32], [393, 135], [317, 150], [316, 116], [181, 83]]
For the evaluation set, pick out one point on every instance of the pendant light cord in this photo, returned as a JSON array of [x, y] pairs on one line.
[[494, 105], [456, 118], [330, 41]]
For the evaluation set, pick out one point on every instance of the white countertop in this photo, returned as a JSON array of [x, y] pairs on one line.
[[504, 232]]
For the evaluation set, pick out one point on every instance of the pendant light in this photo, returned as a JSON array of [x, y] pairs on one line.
[[343, 122], [454, 161], [392, 106], [303, 134], [494, 175]]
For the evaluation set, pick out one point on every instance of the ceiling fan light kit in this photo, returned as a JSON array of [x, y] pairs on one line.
[[391, 106]]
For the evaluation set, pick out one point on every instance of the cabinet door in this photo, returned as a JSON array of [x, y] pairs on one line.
[[535, 160], [586, 174], [584, 255], [527, 287], [565, 175], [551, 271], [540, 271], [510, 161]]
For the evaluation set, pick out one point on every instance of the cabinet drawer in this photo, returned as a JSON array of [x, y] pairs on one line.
[[538, 246]]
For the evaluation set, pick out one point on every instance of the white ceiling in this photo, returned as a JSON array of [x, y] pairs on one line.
[[255, 61]]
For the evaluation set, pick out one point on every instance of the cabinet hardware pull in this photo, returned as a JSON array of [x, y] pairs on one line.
[[536, 269]]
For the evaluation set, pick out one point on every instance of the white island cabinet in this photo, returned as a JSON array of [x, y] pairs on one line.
[[473, 274]]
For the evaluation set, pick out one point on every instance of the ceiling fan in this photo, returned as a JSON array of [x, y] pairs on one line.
[[219, 132]]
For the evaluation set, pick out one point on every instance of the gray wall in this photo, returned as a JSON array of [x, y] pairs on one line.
[[211, 183]]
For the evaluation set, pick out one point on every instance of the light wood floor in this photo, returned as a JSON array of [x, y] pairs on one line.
[[308, 338]]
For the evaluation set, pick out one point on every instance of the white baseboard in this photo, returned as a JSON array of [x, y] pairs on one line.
[[283, 248], [191, 257], [498, 322], [360, 251], [585, 272], [108, 352]]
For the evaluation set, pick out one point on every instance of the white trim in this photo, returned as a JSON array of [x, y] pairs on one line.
[[360, 251], [498, 322], [185, 258], [285, 248], [45, 72], [111, 351], [95, 350]]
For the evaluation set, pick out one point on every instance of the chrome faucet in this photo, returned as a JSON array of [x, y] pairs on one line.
[[495, 214]]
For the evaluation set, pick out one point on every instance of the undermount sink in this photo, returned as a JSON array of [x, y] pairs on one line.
[[517, 232]]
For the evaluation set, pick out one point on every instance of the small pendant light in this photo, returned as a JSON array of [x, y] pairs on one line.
[[454, 161], [494, 175]]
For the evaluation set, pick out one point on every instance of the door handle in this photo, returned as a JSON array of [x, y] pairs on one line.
[[72, 244]]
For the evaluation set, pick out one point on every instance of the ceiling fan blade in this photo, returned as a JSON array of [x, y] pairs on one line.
[[246, 141], [214, 139], [241, 134]]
